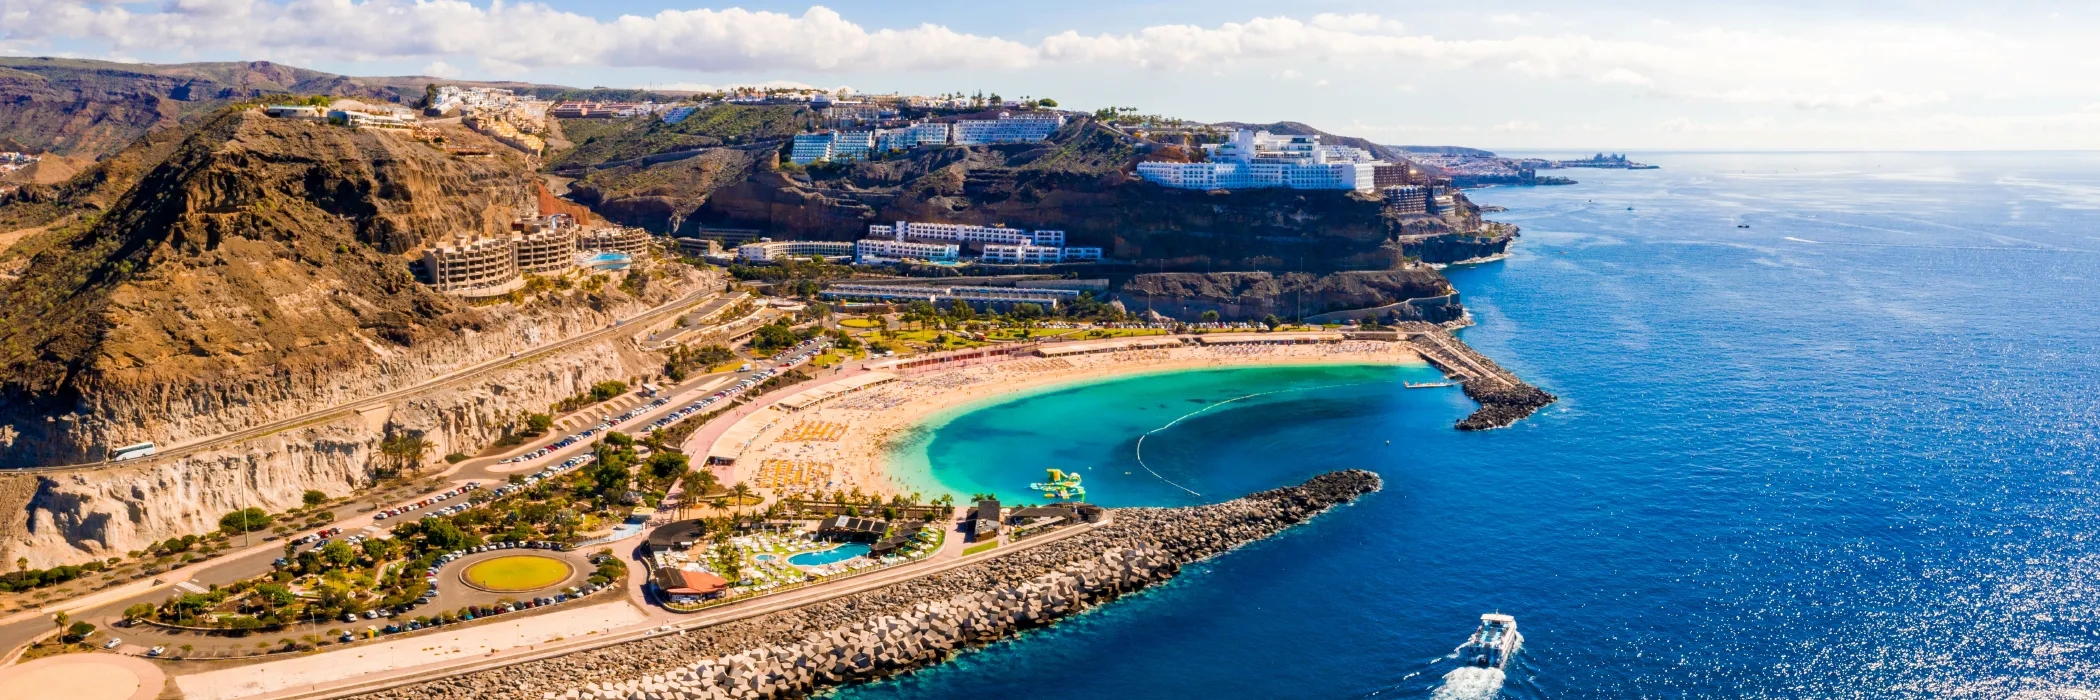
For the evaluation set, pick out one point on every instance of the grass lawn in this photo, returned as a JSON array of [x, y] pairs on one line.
[[979, 547], [826, 360], [859, 323], [518, 572]]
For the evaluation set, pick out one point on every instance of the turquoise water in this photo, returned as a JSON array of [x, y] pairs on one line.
[[607, 261], [1849, 451], [829, 556]]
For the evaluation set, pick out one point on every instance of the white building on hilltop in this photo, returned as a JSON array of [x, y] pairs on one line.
[[880, 250], [1025, 127], [966, 233], [1259, 159]]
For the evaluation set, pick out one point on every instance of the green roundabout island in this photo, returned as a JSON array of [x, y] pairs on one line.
[[516, 573]]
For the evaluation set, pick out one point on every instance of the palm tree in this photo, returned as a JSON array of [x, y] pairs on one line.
[[405, 451], [740, 490]]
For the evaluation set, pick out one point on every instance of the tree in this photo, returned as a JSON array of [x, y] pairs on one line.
[[140, 611], [245, 520], [79, 631], [1271, 321], [539, 423], [1046, 103], [740, 490], [339, 553], [1210, 317], [404, 451], [313, 498], [666, 467], [919, 312], [61, 619], [697, 483]]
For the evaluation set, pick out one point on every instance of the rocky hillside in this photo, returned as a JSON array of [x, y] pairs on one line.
[[1081, 181], [242, 270], [88, 108], [1252, 295]]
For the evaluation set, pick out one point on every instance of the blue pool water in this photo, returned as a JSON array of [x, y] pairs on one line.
[[1848, 451], [829, 556], [606, 261]]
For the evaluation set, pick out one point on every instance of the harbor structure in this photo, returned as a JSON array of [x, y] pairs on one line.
[[1259, 159]]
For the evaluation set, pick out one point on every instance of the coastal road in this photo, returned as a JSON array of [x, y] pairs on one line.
[[322, 415]]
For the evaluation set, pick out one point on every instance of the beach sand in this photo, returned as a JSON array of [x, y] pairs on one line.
[[875, 416]]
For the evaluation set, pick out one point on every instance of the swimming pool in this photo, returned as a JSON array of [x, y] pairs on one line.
[[829, 556], [605, 261], [765, 557]]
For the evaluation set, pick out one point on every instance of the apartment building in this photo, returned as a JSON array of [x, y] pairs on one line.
[[484, 267], [776, 251], [1259, 159], [965, 233], [546, 245], [1406, 199], [880, 250], [994, 297], [1026, 127], [615, 239], [1023, 254]]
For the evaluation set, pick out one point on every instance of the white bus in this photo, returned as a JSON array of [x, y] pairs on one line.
[[120, 454]]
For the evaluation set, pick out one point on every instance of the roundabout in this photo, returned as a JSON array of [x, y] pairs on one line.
[[516, 573]]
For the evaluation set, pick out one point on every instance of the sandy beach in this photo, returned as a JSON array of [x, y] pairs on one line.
[[844, 443]]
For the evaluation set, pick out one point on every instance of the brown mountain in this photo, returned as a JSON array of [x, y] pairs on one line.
[[88, 108]]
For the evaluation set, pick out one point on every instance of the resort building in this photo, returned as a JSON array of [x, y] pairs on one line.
[[832, 146], [546, 250], [776, 251], [373, 119], [687, 586], [485, 267], [907, 138], [1026, 127], [1407, 199], [293, 112], [699, 247], [849, 529], [1037, 255], [965, 233], [615, 239], [986, 524], [1259, 159], [879, 250]]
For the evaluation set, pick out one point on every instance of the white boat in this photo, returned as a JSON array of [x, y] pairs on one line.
[[1494, 643]]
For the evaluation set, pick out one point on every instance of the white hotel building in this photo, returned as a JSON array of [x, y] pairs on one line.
[[880, 250], [1002, 246], [1008, 128], [1259, 159]]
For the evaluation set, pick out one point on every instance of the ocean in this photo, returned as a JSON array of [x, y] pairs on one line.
[[1847, 451]]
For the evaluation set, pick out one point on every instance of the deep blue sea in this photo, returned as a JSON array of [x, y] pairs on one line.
[[1849, 451]]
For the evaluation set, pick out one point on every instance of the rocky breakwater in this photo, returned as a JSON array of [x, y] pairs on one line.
[[1502, 405], [910, 624]]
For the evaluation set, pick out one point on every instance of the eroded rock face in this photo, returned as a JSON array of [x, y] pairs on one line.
[[258, 271], [68, 517], [1253, 295]]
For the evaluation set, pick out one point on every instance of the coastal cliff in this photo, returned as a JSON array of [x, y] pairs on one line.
[[1080, 181], [63, 517], [863, 636], [1241, 296]]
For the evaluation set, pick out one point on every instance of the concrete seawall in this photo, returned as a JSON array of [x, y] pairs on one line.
[[912, 624]]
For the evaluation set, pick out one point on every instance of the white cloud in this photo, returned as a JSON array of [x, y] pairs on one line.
[[439, 69]]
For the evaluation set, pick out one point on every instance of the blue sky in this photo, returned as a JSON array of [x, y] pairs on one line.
[[1505, 75]]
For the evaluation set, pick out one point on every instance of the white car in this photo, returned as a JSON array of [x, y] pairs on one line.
[[113, 643], [156, 651]]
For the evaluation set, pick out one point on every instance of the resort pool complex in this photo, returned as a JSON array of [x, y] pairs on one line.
[[829, 556], [605, 261]]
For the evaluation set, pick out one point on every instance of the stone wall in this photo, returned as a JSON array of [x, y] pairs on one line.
[[913, 623]]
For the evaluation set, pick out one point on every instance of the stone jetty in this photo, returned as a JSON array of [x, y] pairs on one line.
[[910, 624]]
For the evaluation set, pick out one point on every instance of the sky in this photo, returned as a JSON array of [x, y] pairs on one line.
[[1511, 76]]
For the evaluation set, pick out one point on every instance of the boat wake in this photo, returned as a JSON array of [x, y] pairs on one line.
[[1192, 414], [1470, 683]]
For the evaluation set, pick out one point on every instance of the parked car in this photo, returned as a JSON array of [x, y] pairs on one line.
[[113, 643], [156, 651]]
